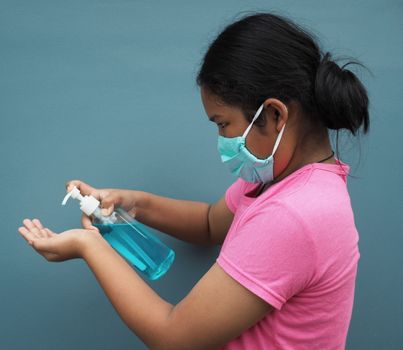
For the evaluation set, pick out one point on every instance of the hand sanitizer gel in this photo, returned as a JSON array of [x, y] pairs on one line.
[[132, 240]]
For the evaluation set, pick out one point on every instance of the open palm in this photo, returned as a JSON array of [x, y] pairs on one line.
[[55, 246]]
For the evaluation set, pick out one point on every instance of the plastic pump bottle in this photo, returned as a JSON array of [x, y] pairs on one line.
[[132, 240]]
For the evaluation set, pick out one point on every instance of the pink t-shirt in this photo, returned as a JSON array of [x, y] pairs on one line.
[[296, 247]]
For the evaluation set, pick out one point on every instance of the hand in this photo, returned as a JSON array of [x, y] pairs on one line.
[[57, 246], [109, 198]]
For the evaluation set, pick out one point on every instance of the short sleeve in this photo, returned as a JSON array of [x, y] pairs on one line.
[[233, 194], [271, 253]]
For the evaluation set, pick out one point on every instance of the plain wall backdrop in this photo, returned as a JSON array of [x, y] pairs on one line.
[[105, 92]]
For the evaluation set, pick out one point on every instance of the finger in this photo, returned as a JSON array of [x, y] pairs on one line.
[[107, 211], [44, 232], [49, 232], [37, 223], [82, 186], [41, 232], [132, 213], [28, 224], [28, 236], [109, 202], [31, 228], [87, 223]]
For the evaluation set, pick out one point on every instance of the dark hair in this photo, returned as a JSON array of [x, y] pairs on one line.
[[265, 55]]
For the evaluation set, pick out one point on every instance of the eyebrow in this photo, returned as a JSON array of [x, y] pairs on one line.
[[214, 117]]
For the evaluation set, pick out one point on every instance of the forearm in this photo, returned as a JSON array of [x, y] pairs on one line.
[[142, 310], [185, 220]]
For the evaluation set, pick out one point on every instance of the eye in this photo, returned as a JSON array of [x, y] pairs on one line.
[[222, 125]]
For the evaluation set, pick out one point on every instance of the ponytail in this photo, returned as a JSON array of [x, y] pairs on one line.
[[341, 99]]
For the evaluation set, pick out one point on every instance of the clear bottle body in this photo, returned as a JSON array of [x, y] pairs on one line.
[[134, 242]]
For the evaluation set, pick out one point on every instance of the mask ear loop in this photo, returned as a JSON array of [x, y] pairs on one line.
[[253, 120], [280, 135]]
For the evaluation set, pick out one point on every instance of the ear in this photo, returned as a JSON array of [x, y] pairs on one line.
[[277, 111]]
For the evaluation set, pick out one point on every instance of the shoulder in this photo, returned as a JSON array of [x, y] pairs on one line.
[[323, 192]]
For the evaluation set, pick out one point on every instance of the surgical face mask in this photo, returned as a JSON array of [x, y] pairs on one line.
[[243, 163]]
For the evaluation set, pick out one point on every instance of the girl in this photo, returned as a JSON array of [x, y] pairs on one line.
[[285, 275]]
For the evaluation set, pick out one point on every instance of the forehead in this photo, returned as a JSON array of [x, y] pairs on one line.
[[210, 100], [215, 107]]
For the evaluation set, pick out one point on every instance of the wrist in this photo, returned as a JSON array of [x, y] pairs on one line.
[[91, 240]]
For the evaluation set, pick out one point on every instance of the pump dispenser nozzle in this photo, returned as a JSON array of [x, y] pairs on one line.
[[75, 193], [89, 205]]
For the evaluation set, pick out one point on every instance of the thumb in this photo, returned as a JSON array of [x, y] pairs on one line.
[[86, 223], [108, 204]]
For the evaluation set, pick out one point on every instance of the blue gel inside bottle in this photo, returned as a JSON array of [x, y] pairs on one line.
[[143, 250]]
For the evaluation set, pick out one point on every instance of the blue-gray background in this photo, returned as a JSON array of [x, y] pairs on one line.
[[104, 91]]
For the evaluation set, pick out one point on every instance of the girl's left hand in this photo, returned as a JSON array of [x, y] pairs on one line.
[[56, 246]]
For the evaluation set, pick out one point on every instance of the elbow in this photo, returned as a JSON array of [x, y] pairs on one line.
[[162, 343], [156, 331], [176, 341], [168, 336], [164, 336], [182, 346]]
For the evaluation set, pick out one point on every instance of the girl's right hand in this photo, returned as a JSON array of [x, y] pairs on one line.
[[109, 198]]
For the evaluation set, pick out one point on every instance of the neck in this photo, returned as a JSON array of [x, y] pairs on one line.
[[307, 154]]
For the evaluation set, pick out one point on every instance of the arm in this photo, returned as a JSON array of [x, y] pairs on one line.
[[215, 311], [140, 308], [194, 222], [191, 221]]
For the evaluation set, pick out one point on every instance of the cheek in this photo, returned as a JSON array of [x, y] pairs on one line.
[[233, 130], [259, 145]]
